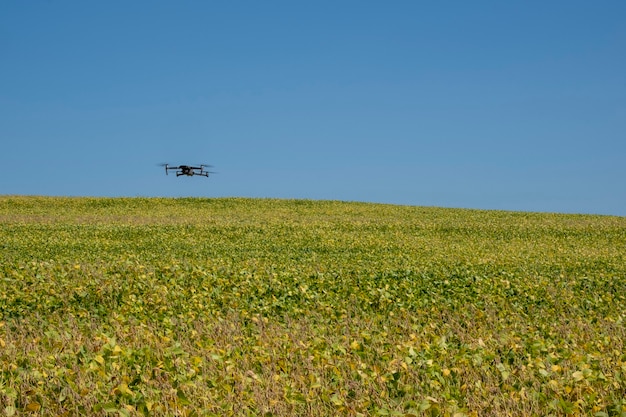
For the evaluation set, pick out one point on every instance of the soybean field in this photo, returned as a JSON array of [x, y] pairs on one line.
[[266, 307]]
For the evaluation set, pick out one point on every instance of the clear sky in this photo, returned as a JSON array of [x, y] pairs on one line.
[[514, 105]]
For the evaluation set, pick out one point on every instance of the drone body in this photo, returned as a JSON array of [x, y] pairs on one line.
[[189, 170]]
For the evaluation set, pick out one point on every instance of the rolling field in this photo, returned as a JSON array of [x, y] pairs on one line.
[[259, 307]]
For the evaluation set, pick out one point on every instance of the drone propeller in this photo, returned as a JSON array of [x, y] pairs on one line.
[[167, 167], [203, 166]]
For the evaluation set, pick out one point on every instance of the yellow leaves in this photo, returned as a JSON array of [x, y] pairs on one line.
[[336, 400], [32, 407], [196, 361], [412, 353], [122, 389]]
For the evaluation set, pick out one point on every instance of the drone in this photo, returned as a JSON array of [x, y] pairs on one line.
[[189, 170]]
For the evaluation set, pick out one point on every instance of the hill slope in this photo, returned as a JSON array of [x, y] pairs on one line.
[[292, 307]]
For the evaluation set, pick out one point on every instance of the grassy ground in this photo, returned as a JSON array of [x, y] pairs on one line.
[[287, 307]]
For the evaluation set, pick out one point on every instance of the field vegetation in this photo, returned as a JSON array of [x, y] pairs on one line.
[[261, 307]]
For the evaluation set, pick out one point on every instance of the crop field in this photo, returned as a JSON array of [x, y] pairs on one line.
[[261, 307]]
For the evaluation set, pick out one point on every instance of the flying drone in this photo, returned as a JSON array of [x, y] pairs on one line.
[[189, 170]]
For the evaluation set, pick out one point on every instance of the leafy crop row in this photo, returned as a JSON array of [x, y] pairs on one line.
[[278, 307]]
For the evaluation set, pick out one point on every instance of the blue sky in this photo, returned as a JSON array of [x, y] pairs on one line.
[[484, 104]]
